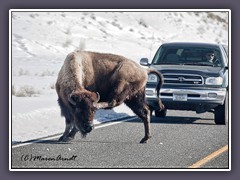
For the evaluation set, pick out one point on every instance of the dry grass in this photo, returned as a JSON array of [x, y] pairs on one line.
[[25, 91]]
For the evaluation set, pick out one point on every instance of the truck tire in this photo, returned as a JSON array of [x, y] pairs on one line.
[[161, 113], [221, 112]]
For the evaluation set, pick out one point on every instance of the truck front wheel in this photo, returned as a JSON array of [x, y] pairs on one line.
[[221, 112], [161, 113]]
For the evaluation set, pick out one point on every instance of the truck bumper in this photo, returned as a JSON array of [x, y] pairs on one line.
[[199, 100]]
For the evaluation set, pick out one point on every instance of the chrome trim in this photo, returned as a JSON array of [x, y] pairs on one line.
[[203, 94], [181, 79]]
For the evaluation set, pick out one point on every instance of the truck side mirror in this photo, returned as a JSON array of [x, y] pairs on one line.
[[144, 62]]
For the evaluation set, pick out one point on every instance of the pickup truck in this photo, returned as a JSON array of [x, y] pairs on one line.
[[195, 79]]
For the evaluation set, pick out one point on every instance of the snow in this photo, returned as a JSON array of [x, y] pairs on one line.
[[35, 117], [41, 41]]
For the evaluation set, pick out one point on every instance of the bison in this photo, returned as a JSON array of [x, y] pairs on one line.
[[89, 81]]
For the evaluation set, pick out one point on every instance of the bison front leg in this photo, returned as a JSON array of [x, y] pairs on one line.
[[104, 105], [69, 132], [117, 96]]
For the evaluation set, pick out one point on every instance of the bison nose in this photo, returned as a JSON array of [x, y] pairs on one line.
[[88, 127]]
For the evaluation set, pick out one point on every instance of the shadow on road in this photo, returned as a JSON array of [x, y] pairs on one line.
[[83, 140], [52, 141], [182, 120], [178, 120]]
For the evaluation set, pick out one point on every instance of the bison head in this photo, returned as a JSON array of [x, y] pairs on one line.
[[83, 109]]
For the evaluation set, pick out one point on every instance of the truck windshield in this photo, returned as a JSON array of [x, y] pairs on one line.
[[188, 55]]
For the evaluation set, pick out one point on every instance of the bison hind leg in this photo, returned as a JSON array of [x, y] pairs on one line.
[[139, 106], [145, 139]]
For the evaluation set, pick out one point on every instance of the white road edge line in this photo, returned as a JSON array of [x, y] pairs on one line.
[[57, 136]]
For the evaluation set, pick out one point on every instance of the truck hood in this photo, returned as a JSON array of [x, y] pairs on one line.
[[204, 71]]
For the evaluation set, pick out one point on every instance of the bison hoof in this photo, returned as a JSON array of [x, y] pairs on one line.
[[162, 106], [113, 103], [65, 139], [96, 105], [145, 140]]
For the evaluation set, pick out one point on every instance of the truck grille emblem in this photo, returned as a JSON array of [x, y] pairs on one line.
[[181, 79]]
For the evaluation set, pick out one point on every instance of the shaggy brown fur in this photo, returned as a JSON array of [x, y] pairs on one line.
[[86, 75]]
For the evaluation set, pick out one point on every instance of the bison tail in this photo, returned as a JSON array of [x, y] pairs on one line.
[[159, 85]]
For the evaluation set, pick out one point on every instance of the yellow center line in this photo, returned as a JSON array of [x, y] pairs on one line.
[[209, 157]]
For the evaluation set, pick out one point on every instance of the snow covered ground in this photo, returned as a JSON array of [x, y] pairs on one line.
[[41, 41]]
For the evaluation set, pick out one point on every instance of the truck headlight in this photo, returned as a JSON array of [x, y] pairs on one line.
[[152, 78], [214, 81]]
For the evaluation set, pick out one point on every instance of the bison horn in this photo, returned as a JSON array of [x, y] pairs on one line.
[[98, 97], [71, 100]]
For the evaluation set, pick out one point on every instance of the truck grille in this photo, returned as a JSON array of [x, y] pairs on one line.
[[183, 79]]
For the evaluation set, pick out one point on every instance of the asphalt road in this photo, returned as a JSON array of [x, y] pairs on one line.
[[179, 141]]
